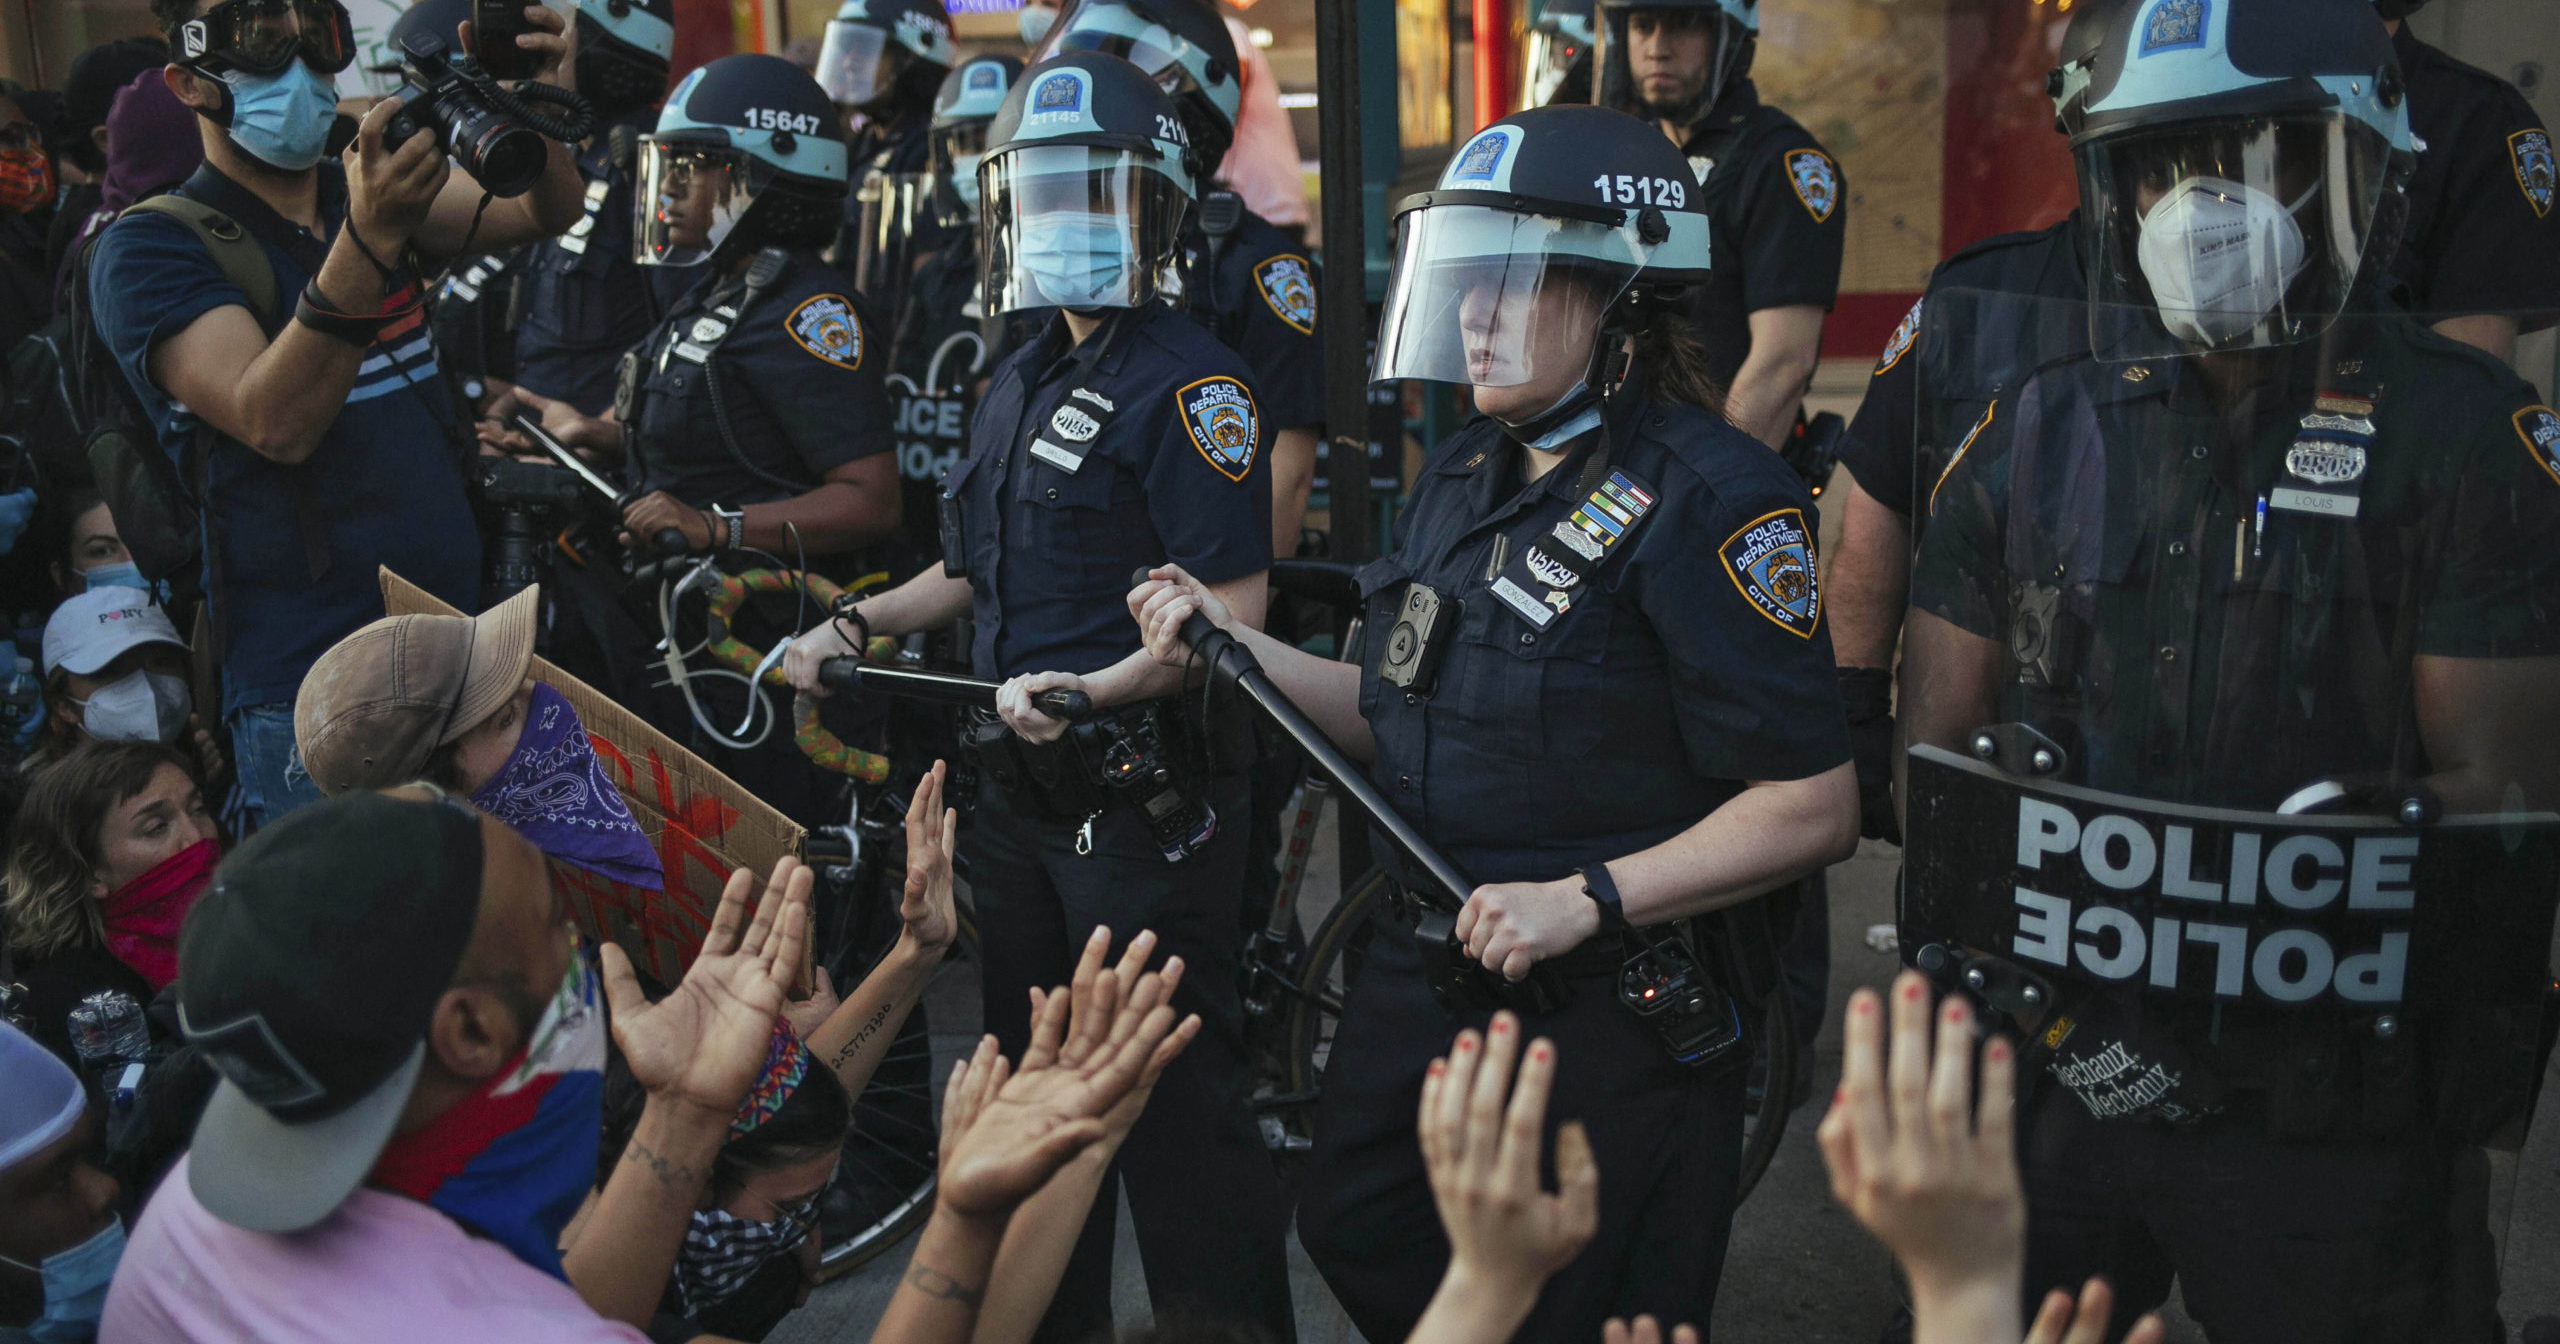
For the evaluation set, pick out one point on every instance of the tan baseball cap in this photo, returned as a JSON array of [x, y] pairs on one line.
[[380, 701]]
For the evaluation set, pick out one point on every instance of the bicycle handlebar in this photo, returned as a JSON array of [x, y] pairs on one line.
[[850, 674]]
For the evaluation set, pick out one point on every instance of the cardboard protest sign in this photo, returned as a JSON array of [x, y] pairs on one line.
[[702, 824]]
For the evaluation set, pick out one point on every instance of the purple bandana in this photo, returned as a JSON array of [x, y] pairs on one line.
[[555, 793]]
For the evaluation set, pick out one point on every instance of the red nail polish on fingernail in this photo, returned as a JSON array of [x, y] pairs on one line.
[[1541, 1054], [1911, 991], [1996, 1050], [1863, 1007]]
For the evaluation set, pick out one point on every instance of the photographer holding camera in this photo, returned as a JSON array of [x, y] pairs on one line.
[[299, 427]]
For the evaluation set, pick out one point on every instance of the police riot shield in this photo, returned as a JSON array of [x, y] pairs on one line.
[[2230, 690], [890, 211]]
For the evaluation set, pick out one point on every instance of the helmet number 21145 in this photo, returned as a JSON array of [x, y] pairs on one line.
[[1636, 189]]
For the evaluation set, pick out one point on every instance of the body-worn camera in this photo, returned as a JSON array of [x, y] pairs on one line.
[[1668, 990], [1419, 637], [490, 130]]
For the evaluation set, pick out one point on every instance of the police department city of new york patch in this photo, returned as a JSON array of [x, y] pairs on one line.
[[2536, 170], [825, 326], [1290, 291], [1220, 417], [1817, 183], [1771, 562], [1900, 343], [2539, 427]]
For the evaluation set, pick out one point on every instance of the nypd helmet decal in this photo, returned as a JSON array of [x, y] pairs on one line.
[[2174, 25], [1219, 415]]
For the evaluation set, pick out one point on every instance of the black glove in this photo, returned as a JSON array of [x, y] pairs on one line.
[[1866, 697]]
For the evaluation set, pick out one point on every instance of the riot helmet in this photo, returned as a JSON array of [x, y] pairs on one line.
[[1548, 231], [2067, 84], [962, 109], [746, 155], [624, 47], [883, 53], [1083, 189], [1182, 44], [2238, 161], [1672, 60], [1559, 64]]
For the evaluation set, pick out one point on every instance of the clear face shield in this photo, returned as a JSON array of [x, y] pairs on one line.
[[889, 209], [1074, 226], [2233, 236], [1552, 56], [1117, 30], [691, 197], [957, 151], [1505, 304], [852, 64]]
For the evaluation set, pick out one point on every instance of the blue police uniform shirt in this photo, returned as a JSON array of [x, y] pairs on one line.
[[2019, 304], [586, 300], [1171, 441], [798, 378], [1677, 647], [385, 483], [1260, 300], [1778, 211]]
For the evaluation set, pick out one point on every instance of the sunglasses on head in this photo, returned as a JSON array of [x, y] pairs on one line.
[[262, 37]]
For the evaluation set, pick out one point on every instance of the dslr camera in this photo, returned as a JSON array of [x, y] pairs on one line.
[[493, 132]]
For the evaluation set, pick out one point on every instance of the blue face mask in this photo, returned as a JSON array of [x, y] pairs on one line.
[[75, 1287], [282, 120], [123, 574], [1075, 258], [964, 181]]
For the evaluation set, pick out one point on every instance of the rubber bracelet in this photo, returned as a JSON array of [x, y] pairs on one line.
[[354, 329], [1603, 891]]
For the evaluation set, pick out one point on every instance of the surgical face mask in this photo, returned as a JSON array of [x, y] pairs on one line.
[[1566, 430], [1075, 257], [1033, 22], [75, 1287], [2219, 256], [122, 574], [137, 707], [964, 180], [282, 120]]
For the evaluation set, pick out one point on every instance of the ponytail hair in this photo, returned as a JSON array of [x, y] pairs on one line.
[[1667, 348]]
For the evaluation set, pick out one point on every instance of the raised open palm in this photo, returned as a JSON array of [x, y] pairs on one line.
[[704, 1043]]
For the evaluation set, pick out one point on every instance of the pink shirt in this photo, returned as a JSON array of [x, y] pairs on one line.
[[382, 1268]]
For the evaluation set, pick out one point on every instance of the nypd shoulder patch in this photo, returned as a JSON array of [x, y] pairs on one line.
[[1771, 563], [2536, 171], [1219, 415], [2539, 427], [1290, 289], [825, 326], [1816, 181], [1900, 343]]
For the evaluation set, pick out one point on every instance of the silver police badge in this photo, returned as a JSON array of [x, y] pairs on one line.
[[2325, 461], [1549, 570], [1579, 542], [1074, 425]]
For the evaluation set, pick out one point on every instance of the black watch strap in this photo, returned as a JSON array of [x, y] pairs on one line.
[[1603, 891]]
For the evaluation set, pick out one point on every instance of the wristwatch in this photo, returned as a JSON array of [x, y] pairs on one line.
[[1603, 891], [728, 528]]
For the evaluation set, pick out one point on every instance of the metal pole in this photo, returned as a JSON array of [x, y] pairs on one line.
[[1343, 296], [1493, 61]]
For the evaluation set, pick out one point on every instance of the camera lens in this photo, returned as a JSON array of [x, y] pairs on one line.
[[508, 159]]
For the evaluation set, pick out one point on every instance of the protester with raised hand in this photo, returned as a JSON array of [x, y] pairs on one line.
[[409, 1039], [1005, 1134], [1042, 1236], [1647, 1330], [1924, 1160], [1506, 1235]]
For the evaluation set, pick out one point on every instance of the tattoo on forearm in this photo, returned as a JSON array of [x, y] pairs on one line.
[[671, 1174], [864, 1034], [934, 1283]]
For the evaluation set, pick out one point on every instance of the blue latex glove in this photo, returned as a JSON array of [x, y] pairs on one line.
[[16, 508]]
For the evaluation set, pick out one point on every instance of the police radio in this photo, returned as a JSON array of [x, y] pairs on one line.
[[1669, 991]]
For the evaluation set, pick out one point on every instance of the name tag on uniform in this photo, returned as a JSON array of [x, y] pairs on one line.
[[1540, 581], [1056, 456], [2319, 502]]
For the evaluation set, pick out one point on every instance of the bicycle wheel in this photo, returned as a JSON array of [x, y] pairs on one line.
[[1334, 955], [884, 1188], [1763, 1131]]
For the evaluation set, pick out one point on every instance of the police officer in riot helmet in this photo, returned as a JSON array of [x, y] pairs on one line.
[[584, 300], [1776, 198], [1600, 684], [754, 410], [881, 62], [2480, 258], [941, 298], [1123, 436], [1916, 409], [1559, 61], [2230, 676], [1250, 284]]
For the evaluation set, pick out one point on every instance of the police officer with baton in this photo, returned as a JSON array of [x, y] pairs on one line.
[[1599, 681]]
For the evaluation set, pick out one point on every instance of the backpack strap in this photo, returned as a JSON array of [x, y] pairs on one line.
[[243, 262]]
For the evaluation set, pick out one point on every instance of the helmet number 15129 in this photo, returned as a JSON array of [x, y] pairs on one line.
[[1636, 189]]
